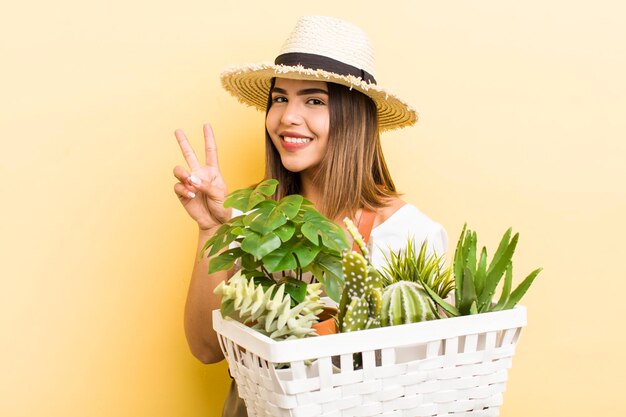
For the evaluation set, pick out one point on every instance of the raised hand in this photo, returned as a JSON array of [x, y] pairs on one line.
[[201, 189]]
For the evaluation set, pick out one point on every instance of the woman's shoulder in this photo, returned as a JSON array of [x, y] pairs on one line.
[[400, 213], [386, 212], [401, 221]]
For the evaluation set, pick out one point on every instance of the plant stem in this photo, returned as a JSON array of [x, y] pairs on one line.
[[267, 273]]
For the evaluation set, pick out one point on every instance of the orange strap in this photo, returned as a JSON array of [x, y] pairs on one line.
[[366, 222]]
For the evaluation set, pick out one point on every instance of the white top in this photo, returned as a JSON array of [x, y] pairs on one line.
[[407, 222]]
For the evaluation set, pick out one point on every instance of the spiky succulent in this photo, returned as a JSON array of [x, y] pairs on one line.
[[269, 309], [406, 265]]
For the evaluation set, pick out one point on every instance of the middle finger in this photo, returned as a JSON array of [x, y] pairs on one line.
[[188, 153]]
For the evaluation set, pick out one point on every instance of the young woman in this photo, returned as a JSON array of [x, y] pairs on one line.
[[324, 112]]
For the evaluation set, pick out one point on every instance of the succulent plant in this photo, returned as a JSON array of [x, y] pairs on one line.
[[476, 280], [361, 299], [406, 302], [406, 265], [270, 309]]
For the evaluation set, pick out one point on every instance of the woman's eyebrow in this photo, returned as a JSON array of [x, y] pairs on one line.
[[304, 92], [308, 91]]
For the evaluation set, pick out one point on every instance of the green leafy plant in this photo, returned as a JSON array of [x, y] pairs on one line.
[[476, 279], [279, 241]]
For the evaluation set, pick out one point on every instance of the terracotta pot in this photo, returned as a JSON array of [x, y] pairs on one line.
[[327, 323]]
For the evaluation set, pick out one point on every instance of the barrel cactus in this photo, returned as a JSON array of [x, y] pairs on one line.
[[269, 310], [406, 302]]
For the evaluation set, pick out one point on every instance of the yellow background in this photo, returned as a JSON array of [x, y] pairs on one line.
[[523, 107]]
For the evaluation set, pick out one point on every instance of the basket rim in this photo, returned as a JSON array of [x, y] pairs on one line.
[[366, 340]]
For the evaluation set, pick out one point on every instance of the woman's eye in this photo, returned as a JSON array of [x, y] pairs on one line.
[[279, 99], [315, 101]]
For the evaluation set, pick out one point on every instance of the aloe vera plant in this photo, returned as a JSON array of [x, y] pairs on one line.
[[476, 279]]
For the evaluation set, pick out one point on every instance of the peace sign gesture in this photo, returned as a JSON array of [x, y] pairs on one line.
[[201, 190]]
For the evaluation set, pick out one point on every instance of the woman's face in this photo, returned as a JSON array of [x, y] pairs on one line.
[[298, 121]]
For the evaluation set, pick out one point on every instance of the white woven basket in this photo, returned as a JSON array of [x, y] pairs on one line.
[[456, 366]]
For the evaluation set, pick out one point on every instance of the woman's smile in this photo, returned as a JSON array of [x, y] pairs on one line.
[[293, 141]]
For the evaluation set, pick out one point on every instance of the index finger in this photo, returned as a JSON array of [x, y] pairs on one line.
[[185, 147], [209, 146]]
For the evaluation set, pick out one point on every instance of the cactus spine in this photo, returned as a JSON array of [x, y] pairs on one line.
[[270, 309]]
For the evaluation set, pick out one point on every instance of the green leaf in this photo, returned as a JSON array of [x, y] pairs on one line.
[[260, 245], [224, 260], [470, 257], [481, 272], [473, 309], [521, 289], [332, 286], [495, 272], [468, 293], [218, 236], [228, 239], [290, 205], [280, 259], [316, 226], [311, 218], [331, 264], [459, 265], [265, 219], [267, 187], [504, 244], [260, 193], [304, 252], [239, 199], [327, 269], [286, 231], [448, 308], [295, 288], [238, 231], [249, 262], [506, 290]]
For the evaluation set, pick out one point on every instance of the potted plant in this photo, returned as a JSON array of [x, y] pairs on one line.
[[276, 244]]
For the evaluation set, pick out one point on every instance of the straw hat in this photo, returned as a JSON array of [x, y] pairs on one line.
[[321, 49]]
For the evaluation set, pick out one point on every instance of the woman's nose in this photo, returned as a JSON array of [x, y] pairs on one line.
[[292, 114]]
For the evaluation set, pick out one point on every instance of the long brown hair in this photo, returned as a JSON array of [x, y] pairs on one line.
[[353, 173]]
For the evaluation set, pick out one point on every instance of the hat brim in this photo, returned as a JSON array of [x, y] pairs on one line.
[[251, 83]]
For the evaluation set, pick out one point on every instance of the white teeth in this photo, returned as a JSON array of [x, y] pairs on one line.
[[297, 140]]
